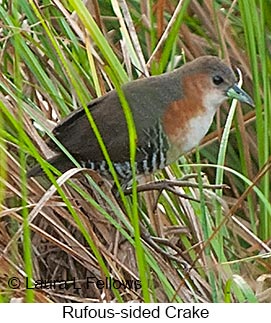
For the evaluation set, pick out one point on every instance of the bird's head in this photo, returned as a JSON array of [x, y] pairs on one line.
[[216, 81]]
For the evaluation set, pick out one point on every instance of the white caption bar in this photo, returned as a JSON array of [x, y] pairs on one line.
[[110, 312]]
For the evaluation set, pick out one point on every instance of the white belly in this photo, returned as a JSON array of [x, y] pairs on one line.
[[197, 129]]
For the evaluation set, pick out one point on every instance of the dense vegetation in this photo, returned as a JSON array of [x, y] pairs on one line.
[[194, 242]]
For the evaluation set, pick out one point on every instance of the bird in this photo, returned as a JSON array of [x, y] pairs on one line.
[[172, 112]]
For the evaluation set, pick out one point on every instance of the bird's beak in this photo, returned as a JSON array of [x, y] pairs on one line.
[[235, 92]]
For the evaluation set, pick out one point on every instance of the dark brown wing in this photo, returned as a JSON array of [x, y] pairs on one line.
[[147, 98], [76, 134]]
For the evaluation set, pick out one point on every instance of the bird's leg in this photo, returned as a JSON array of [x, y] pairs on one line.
[[166, 184]]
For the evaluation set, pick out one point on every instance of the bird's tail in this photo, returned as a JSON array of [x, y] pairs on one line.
[[60, 161]]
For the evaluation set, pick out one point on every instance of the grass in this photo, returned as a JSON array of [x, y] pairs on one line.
[[194, 243]]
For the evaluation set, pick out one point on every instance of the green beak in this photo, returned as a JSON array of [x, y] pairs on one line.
[[237, 93]]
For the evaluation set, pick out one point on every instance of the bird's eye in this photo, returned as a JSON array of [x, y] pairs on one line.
[[217, 80]]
